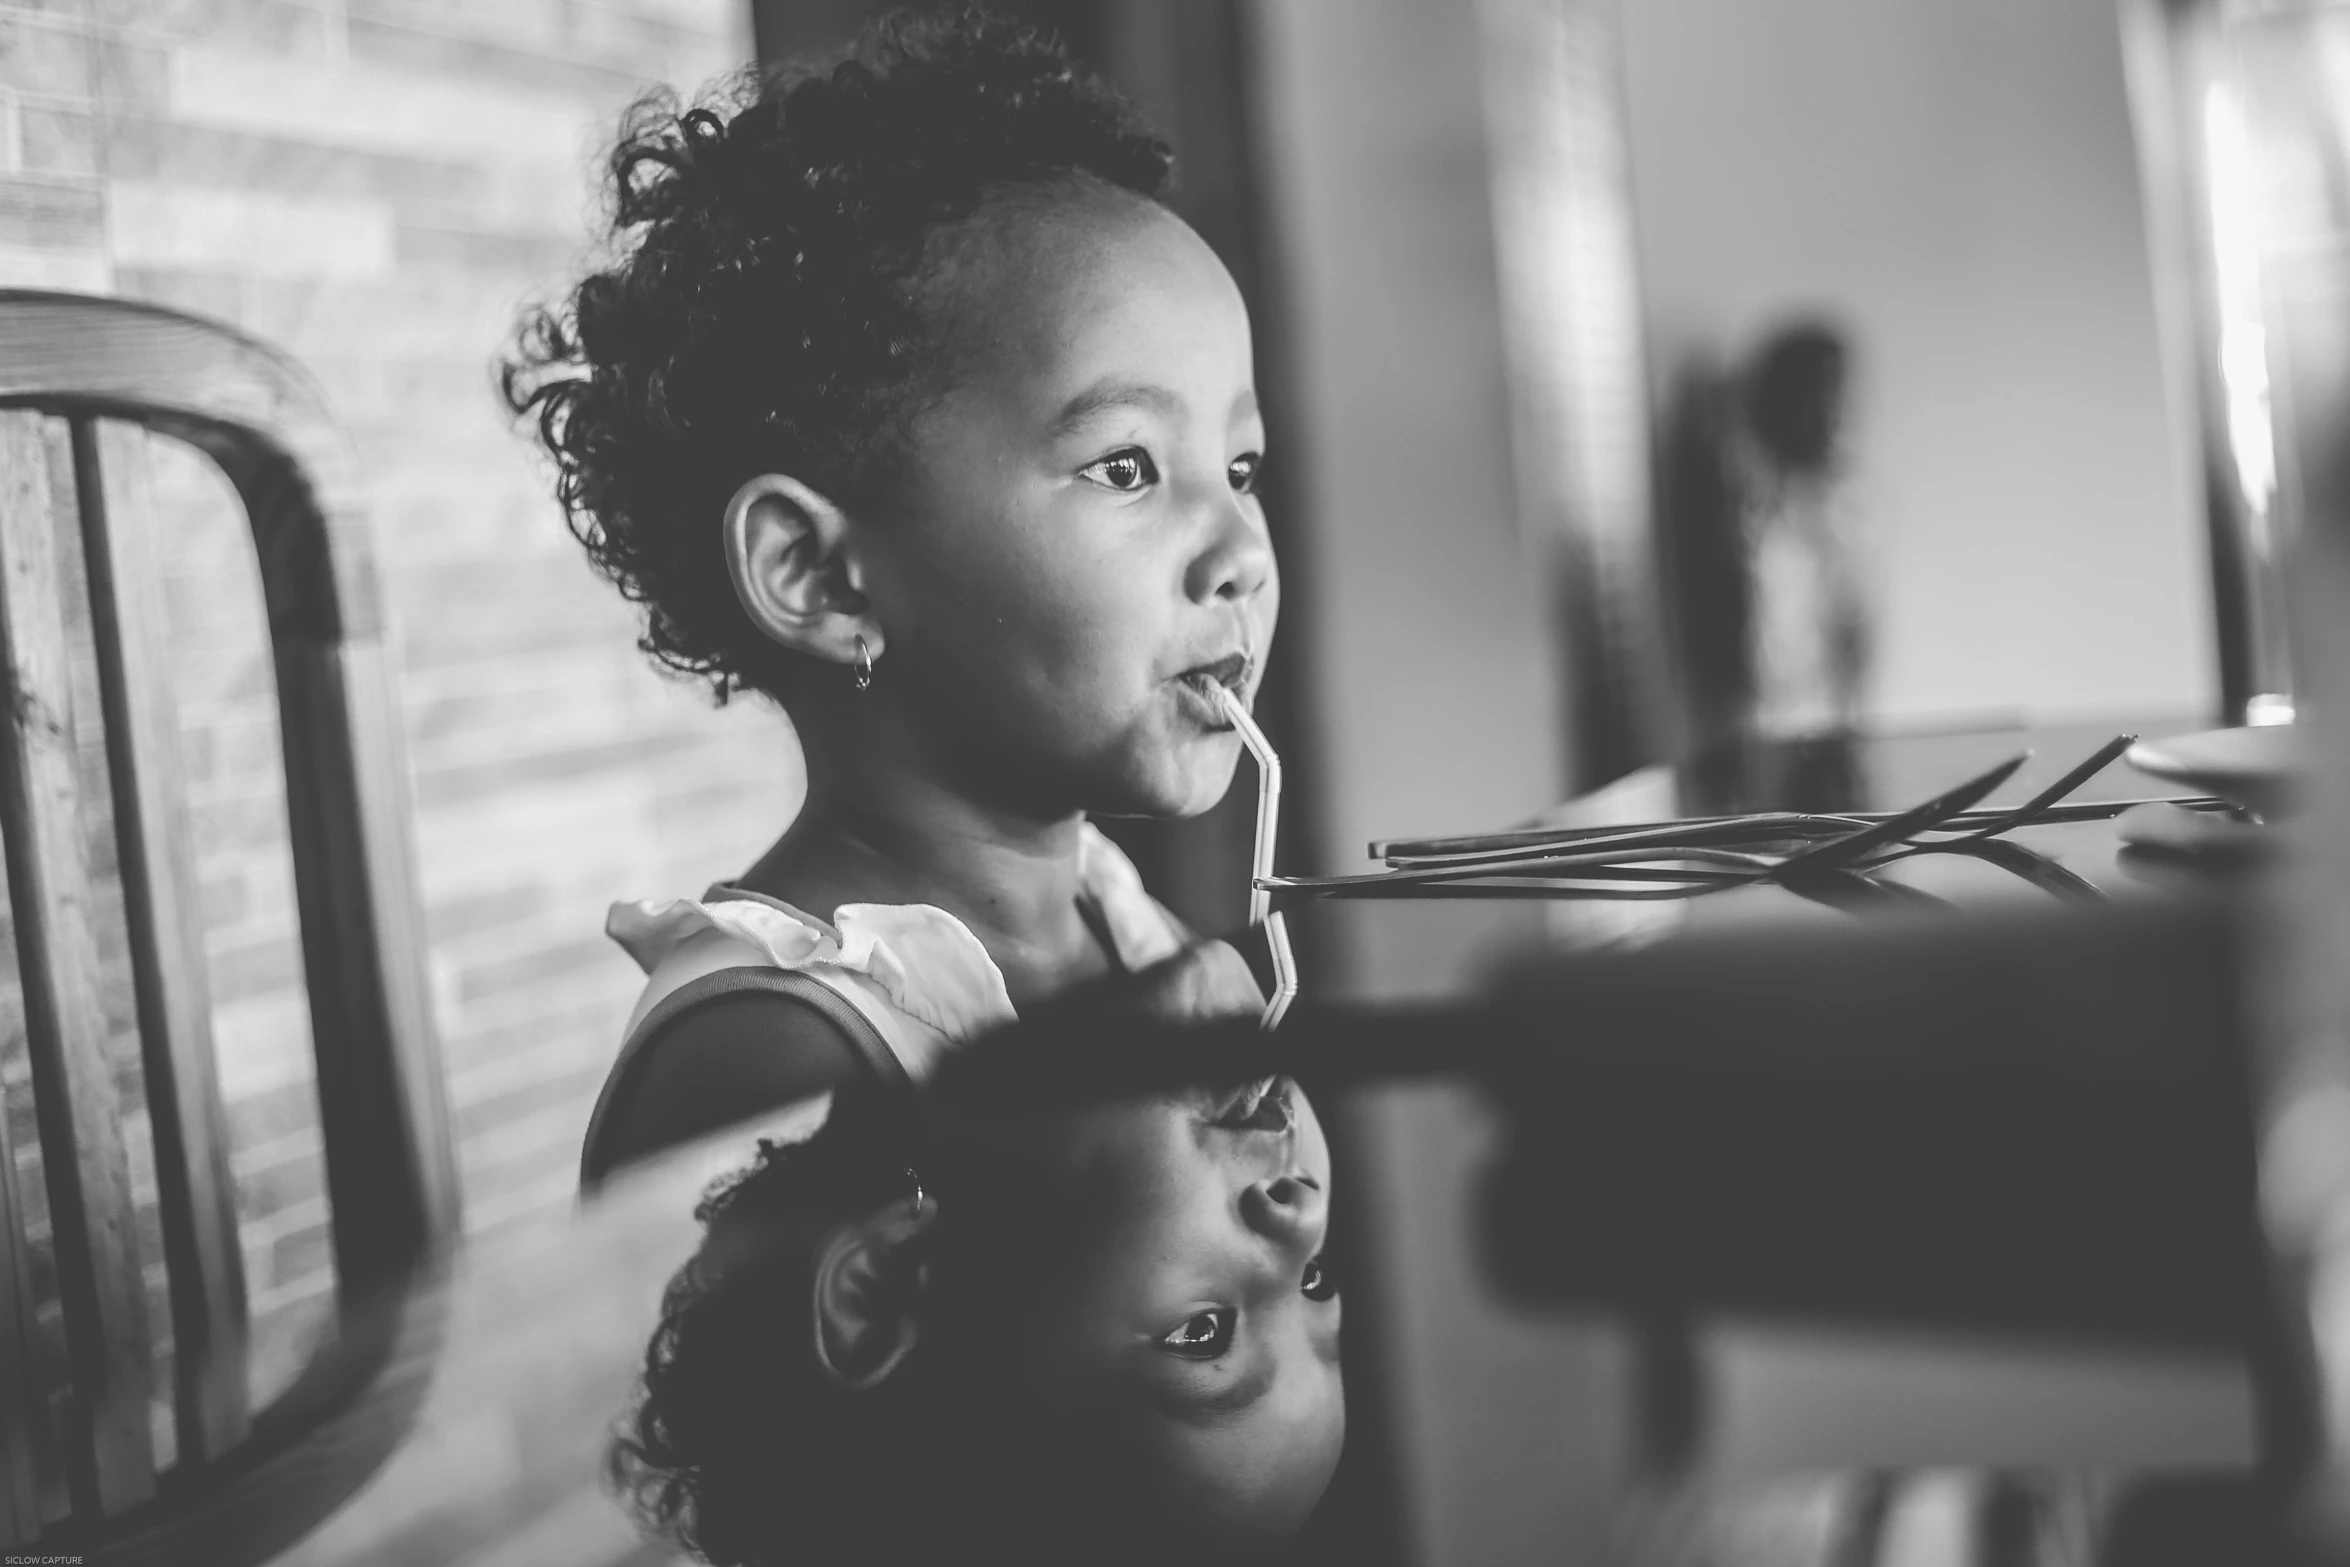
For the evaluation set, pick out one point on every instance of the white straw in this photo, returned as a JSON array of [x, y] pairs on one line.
[[1260, 897]]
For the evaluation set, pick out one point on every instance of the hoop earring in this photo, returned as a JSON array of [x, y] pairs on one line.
[[864, 676]]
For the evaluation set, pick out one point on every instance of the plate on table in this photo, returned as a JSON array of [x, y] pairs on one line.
[[2255, 768]]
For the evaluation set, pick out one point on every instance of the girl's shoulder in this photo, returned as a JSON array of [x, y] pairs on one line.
[[750, 1002], [915, 970], [734, 1043], [919, 960]]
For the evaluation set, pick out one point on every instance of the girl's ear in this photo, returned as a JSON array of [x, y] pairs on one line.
[[786, 553], [868, 1290]]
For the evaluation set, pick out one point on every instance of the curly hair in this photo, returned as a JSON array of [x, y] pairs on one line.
[[738, 1447], [764, 307]]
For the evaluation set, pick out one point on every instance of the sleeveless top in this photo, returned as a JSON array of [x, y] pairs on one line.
[[906, 982]]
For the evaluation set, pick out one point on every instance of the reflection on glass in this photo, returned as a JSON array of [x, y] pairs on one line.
[[1085, 1333], [2239, 107], [2243, 338]]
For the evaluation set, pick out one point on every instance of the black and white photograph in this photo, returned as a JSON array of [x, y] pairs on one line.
[[1315, 783]]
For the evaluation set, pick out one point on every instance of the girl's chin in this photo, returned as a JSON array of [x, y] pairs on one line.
[[1166, 805], [1209, 778], [1181, 777]]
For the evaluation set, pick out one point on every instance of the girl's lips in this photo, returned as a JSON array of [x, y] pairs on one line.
[[1231, 672], [1199, 694], [1265, 1104]]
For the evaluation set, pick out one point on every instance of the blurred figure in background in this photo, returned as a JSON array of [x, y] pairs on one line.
[[1809, 628], [1705, 564], [1766, 566]]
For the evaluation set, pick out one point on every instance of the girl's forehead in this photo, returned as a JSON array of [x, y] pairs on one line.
[[1027, 234], [1039, 276]]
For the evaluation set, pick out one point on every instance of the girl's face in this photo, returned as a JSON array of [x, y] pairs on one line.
[[1073, 550], [1179, 1312]]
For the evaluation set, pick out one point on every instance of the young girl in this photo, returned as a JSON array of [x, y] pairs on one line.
[[907, 406]]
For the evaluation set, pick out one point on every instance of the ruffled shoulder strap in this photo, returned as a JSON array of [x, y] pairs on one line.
[[922, 960], [913, 958]]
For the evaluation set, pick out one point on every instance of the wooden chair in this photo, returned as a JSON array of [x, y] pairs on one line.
[[79, 378]]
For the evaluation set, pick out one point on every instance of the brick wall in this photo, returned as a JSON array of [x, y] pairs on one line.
[[373, 185]]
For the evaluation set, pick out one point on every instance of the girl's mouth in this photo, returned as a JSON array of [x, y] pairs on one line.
[[1230, 672], [1262, 1106]]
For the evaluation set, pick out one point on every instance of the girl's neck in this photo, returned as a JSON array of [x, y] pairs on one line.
[[1013, 880]]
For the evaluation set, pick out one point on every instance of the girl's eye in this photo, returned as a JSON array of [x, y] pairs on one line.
[[1205, 1336], [1243, 472], [1126, 471], [1318, 1284]]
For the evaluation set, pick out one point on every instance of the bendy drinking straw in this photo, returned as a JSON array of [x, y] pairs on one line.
[[1260, 897]]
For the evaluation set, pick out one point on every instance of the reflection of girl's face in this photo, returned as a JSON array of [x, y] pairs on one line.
[[1195, 1319]]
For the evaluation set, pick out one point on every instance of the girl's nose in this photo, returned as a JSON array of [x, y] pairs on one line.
[[1237, 563], [1290, 1211]]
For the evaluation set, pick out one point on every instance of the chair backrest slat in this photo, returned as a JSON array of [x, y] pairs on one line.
[[109, 1457], [196, 1193], [20, 1477]]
